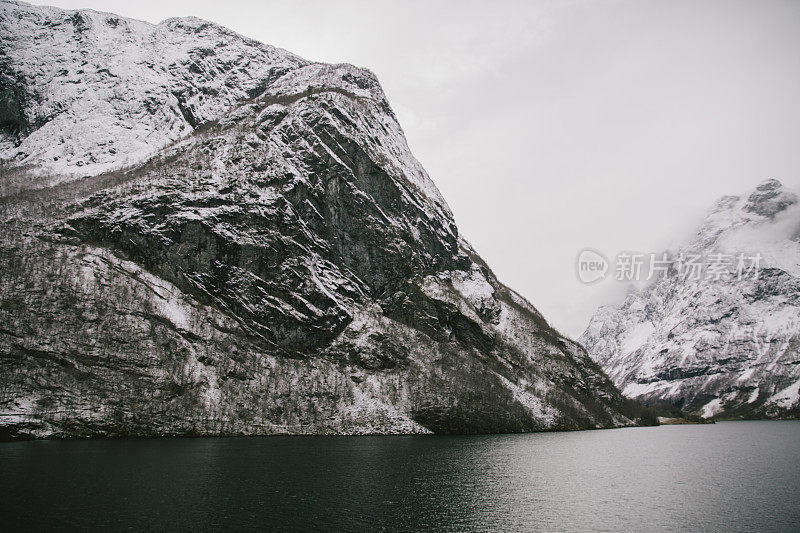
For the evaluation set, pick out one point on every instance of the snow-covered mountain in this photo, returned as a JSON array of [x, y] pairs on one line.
[[207, 235], [85, 92], [722, 339]]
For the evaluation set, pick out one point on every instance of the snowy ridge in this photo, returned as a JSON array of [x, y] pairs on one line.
[[102, 91], [728, 347], [92, 90]]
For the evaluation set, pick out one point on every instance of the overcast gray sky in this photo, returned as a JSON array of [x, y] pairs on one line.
[[554, 126]]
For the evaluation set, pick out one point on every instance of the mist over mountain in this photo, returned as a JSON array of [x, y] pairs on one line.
[[725, 342]]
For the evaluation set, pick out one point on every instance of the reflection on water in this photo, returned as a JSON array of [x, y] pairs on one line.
[[728, 476]]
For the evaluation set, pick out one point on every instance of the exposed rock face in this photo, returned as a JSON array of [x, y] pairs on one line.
[[727, 347], [83, 92], [285, 267]]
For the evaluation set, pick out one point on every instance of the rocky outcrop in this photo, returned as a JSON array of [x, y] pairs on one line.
[[287, 266], [723, 345], [82, 92]]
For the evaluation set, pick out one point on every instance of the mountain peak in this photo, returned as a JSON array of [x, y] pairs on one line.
[[769, 199], [721, 341], [731, 213], [769, 184], [84, 87]]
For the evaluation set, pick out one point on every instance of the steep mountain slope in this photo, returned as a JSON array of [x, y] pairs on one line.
[[285, 267], [727, 347], [84, 92]]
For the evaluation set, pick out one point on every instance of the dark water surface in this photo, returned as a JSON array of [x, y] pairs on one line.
[[734, 476]]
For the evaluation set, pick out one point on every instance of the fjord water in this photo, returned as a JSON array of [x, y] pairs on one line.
[[731, 476]]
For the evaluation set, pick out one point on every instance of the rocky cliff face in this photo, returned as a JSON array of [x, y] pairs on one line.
[[726, 347], [272, 259], [84, 92]]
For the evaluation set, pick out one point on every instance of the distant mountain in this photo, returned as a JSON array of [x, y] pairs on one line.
[[207, 235], [727, 347]]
